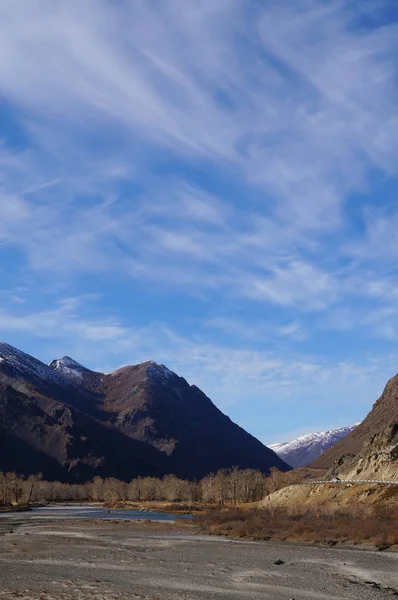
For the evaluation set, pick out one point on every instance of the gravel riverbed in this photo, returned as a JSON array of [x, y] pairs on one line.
[[53, 559]]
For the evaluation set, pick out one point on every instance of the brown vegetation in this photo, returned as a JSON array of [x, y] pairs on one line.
[[374, 526], [16, 490]]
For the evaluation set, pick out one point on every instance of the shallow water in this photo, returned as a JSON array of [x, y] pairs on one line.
[[87, 511]]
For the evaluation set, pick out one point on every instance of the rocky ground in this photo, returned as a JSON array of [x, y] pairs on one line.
[[112, 560]]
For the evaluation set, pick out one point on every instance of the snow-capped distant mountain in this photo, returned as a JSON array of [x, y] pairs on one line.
[[305, 449]]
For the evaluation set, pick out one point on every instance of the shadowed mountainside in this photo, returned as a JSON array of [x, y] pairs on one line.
[[71, 423]]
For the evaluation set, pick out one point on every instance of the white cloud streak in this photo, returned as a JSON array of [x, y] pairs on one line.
[[292, 104]]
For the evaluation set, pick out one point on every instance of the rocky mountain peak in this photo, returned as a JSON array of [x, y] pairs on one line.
[[67, 361], [158, 372], [68, 367]]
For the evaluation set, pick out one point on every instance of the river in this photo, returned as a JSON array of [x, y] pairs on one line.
[[90, 511]]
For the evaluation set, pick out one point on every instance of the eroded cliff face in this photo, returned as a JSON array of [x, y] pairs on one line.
[[377, 459], [383, 413], [332, 497]]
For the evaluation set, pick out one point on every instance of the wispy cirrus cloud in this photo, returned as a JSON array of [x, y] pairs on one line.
[[296, 126], [249, 331], [236, 158], [178, 76]]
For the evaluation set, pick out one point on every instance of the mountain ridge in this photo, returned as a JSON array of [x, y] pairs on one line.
[[90, 423]]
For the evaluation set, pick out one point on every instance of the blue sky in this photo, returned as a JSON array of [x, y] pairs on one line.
[[211, 185]]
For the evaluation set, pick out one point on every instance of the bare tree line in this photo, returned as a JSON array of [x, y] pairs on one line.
[[16, 490], [227, 487]]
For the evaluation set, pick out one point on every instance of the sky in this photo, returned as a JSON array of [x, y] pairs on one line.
[[211, 185]]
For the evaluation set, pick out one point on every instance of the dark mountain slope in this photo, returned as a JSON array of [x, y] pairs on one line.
[[139, 420], [64, 443], [384, 412], [152, 404]]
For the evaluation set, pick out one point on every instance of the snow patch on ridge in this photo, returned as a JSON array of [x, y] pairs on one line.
[[22, 363], [159, 372]]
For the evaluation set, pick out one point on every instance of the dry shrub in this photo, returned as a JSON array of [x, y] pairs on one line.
[[330, 525]]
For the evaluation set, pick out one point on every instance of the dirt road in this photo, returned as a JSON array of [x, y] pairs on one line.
[[91, 560]]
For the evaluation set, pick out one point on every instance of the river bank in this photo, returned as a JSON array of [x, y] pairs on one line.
[[90, 512]]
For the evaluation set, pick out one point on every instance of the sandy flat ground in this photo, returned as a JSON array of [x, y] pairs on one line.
[[92, 560]]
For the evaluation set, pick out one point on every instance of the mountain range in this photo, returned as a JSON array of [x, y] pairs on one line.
[[303, 450], [71, 423]]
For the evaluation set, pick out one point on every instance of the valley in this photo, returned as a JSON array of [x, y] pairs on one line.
[[145, 448]]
